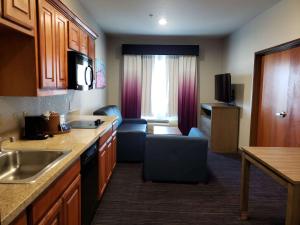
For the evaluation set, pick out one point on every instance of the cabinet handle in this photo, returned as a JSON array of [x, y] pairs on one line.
[[281, 114]]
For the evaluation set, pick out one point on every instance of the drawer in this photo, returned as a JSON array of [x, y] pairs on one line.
[[105, 137]]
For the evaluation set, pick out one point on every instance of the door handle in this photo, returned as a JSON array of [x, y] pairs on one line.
[[281, 114]]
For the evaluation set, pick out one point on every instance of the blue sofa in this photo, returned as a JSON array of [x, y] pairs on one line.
[[173, 158], [131, 135]]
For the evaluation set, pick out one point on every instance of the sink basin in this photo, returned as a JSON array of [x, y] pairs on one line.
[[27, 166]]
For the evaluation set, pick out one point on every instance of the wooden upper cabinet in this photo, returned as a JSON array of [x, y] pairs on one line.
[[53, 47], [47, 45], [74, 36], [91, 51], [84, 41], [21, 12], [61, 43]]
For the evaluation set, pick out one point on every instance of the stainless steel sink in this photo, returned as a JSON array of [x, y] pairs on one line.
[[27, 166]]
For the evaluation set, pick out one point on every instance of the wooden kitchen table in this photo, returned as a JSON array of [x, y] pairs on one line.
[[283, 165]]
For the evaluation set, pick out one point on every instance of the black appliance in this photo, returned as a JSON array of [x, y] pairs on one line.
[[89, 184], [81, 74], [86, 124], [223, 89], [36, 128]]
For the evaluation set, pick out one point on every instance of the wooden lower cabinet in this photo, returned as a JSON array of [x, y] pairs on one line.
[[54, 215], [107, 160], [20, 220], [72, 202], [114, 150], [102, 169], [61, 202]]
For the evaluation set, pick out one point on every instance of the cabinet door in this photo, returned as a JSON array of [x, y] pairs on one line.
[[61, 34], [20, 11], [72, 203], [102, 169], [114, 151], [91, 52], [74, 36], [109, 161], [21, 219], [47, 45], [54, 215], [83, 42]]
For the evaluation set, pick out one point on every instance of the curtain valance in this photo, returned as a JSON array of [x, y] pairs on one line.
[[131, 49]]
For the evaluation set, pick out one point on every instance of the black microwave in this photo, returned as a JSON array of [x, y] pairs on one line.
[[80, 69]]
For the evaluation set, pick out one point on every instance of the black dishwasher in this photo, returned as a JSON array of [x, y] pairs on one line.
[[89, 184]]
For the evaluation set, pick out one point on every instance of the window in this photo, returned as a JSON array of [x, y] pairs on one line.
[[159, 97]]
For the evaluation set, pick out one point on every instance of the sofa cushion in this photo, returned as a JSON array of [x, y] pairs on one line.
[[195, 132], [129, 127]]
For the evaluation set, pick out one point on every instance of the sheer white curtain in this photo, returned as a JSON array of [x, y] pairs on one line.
[[172, 73], [160, 87], [147, 68]]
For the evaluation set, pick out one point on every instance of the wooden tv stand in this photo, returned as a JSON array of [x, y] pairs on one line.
[[220, 122]]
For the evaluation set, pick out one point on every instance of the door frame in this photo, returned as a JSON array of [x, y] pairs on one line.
[[257, 83]]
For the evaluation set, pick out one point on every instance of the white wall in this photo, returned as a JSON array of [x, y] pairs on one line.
[[278, 25], [11, 108], [210, 61]]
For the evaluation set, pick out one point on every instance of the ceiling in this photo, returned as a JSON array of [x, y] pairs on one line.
[[185, 17]]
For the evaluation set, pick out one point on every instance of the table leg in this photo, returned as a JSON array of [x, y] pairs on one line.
[[244, 187], [293, 205]]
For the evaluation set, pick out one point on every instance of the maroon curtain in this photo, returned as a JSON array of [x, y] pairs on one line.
[[131, 87], [187, 93]]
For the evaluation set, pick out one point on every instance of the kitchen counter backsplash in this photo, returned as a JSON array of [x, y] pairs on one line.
[[12, 109]]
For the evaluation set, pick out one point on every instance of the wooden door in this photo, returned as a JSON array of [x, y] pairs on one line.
[[74, 36], [293, 104], [47, 45], [83, 42], [54, 215], [102, 169], [278, 111], [72, 203], [21, 12], [61, 45]]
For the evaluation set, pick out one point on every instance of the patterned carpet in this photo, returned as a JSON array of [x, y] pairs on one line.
[[130, 201]]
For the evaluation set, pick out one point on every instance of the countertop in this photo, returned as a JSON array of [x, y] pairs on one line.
[[14, 198]]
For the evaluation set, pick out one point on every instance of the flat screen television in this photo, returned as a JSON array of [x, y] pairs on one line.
[[223, 91]]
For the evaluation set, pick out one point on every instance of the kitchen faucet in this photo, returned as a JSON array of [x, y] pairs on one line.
[[2, 139]]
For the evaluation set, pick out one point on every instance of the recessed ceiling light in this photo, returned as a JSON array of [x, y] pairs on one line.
[[162, 22]]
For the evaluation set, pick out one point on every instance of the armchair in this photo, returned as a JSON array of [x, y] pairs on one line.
[[176, 158], [131, 135]]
